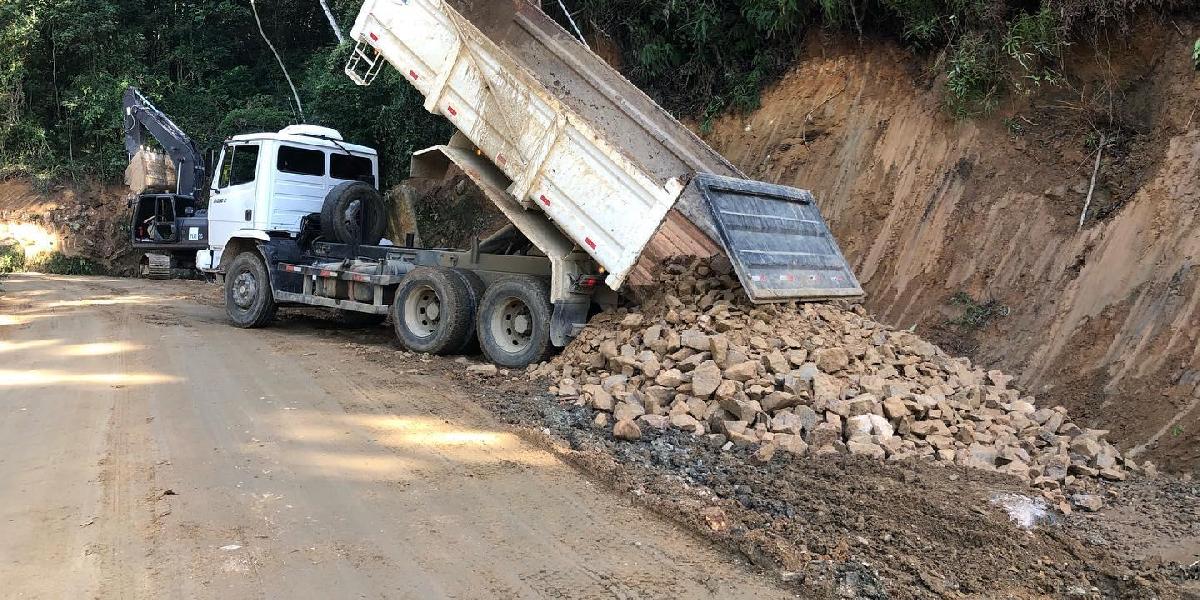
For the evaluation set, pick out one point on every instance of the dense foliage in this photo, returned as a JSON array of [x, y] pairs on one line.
[[701, 57], [65, 63]]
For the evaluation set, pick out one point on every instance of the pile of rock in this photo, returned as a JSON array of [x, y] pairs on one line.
[[812, 378]]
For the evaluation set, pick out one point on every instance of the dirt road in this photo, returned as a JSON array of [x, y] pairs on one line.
[[149, 450]]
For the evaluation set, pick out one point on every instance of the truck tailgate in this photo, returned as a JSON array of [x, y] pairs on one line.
[[777, 241]]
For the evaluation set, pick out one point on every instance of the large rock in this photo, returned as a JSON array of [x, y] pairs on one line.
[[718, 346], [979, 456], [627, 430], [787, 422], [791, 443], [744, 371], [853, 407], [628, 411], [778, 401], [726, 390], [825, 434], [895, 408], [671, 378], [687, 423], [600, 399], [831, 360], [866, 448], [706, 378], [695, 339], [808, 418], [777, 363], [858, 427]]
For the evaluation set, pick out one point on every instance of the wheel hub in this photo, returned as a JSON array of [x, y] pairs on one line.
[[423, 311], [512, 325], [245, 290]]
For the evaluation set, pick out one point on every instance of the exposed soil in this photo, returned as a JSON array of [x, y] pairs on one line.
[[88, 220], [452, 212], [1101, 320]]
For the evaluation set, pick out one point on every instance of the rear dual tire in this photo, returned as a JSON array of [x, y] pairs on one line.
[[513, 322], [434, 310]]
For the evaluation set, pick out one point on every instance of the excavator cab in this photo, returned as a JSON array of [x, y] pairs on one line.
[[168, 220]]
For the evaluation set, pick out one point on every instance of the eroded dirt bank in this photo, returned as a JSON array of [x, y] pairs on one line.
[[1102, 320], [88, 219]]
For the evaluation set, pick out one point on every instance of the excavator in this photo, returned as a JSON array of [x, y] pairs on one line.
[[170, 222]]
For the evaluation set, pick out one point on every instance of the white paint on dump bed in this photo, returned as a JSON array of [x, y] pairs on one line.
[[558, 163]]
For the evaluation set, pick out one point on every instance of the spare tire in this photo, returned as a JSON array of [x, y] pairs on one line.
[[354, 213]]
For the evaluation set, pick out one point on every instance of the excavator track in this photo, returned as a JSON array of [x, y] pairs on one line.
[[158, 266]]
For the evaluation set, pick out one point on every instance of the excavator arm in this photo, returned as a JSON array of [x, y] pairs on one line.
[[141, 117]]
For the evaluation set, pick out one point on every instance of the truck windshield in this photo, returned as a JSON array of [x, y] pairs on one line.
[[351, 168]]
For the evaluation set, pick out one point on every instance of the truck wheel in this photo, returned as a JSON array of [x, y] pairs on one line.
[[249, 301], [433, 311], [476, 288], [514, 322], [354, 213], [356, 320]]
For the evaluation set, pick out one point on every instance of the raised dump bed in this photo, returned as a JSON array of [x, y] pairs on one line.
[[573, 143]]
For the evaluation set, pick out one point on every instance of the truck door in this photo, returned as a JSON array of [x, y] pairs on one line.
[[231, 204]]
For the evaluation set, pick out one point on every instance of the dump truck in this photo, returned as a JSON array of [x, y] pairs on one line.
[[600, 184]]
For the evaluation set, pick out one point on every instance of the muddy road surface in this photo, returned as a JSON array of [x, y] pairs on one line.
[[149, 450]]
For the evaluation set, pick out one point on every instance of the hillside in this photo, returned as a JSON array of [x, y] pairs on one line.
[[969, 230]]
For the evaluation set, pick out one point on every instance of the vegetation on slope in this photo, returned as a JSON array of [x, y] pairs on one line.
[[65, 63], [702, 57]]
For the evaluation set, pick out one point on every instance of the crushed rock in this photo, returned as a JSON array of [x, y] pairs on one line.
[[821, 379]]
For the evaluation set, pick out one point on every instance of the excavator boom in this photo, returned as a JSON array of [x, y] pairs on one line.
[[141, 117]]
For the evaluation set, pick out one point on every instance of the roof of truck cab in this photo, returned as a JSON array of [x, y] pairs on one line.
[[306, 141]]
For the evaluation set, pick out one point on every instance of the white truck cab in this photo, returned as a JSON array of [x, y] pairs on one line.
[[265, 183]]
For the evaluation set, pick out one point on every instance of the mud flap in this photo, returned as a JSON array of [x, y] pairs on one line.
[[569, 319], [777, 240], [282, 250]]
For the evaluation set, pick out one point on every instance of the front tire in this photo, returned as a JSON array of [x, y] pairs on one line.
[[514, 322], [249, 301]]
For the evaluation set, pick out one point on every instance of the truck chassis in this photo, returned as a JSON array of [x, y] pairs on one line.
[[365, 284]]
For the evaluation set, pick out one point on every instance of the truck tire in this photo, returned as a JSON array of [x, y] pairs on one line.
[[354, 213], [249, 301], [356, 320], [514, 322], [433, 311], [476, 288]]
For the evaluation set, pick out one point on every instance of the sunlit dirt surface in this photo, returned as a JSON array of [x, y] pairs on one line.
[[150, 450]]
